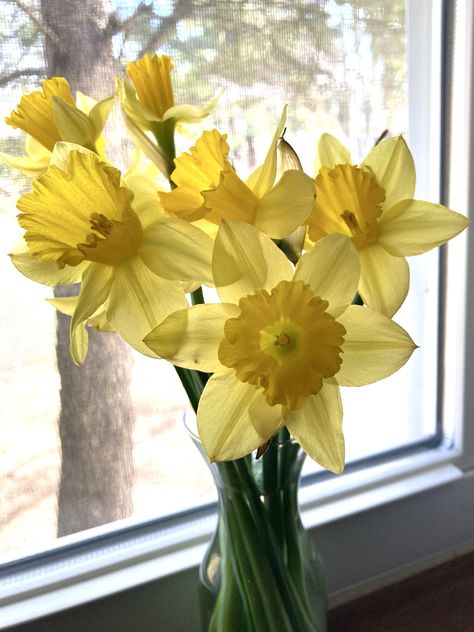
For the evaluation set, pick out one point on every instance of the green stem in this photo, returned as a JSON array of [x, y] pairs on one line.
[[296, 610], [192, 385], [197, 297]]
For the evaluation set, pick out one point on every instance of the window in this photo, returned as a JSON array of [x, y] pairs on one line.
[[331, 65]]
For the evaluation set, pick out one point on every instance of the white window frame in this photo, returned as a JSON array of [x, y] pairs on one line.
[[373, 526]]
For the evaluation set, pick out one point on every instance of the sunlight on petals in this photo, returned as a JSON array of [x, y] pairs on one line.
[[374, 347], [190, 337], [392, 164], [318, 428], [332, 269], [384, 279], [149, 299], [412, 227], [246, 260], [224, 418], [331, 152]]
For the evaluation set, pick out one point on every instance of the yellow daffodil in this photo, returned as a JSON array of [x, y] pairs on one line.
[[372, 203], [207, 187], [280, 344], [82, 225], [148, 102], [50, 116]]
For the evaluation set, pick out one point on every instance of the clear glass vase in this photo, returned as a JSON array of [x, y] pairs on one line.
[[261, 572]]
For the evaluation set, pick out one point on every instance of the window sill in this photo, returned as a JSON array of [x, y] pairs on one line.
[[114, 563]]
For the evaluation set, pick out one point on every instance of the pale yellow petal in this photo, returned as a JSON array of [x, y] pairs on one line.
[[332, 270], [286, 205], [374, 347], [73, 125], [191, 113], [384, 279], [190, 337], [246, 260], [30, 166], [176, 250], [392, 164], [228, 413], [67, 304], [96, 285], [317, 427], [139, 300], [331, 152], [262, 179], [45, 272], [412, 227], [61, 154], [100, 113]]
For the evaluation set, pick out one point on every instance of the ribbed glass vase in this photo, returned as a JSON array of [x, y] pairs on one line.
[[261, 572]]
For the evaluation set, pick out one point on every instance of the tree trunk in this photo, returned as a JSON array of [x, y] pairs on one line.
[[96, 418]]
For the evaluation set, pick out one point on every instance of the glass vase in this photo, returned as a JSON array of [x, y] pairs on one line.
[[261, 572]]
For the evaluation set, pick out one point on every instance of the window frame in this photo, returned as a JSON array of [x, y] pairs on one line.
[[373, 525]]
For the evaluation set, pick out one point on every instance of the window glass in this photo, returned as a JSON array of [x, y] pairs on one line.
[[80, 448]]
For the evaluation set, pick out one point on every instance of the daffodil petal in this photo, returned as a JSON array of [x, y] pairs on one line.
[[286, 205], [95, 288], [190, 113], [73, 125], [331, 152], [226, 417], [384, 279], [317, 427], [176, 250], [67, 304], [374, 347], [392, 164], [139, 300], [332, 270], [28, 165], [100, 113], [262, 179], [190, 337], [62, 149], [245, 260], [146, 202], [44, 272], [412, 227]]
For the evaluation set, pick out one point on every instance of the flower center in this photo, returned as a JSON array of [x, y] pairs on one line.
[[61, 220], [112, 241], [283, 342], [348, 201]]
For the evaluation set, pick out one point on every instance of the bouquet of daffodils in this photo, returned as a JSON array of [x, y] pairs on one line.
[[309, 271]]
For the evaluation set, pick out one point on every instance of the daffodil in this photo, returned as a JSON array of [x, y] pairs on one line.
[[51, 115], [280, 344], [82, 225], [148, 102], [372, 203], [207, 187]]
